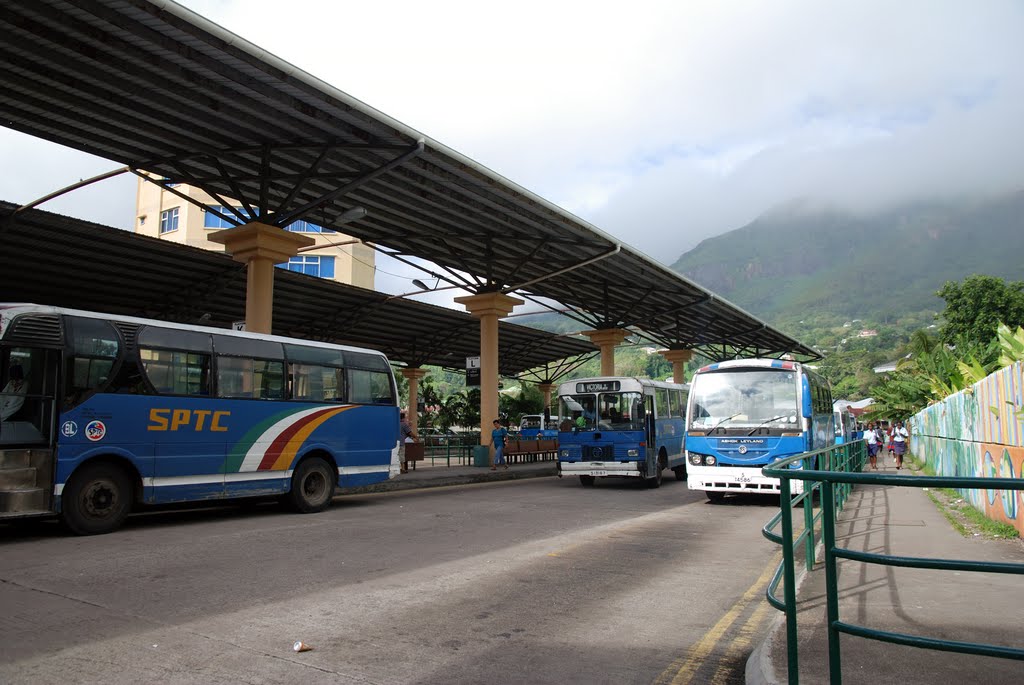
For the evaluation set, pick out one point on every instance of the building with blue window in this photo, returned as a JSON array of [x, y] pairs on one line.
[[162, 214]]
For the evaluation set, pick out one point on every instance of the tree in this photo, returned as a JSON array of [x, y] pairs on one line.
[[975, 308]]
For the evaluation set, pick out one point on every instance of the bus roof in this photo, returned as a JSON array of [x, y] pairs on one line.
[[751, 364], [627, 383], [8, 310]]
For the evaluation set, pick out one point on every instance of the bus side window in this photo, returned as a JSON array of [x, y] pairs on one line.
[[95, 349], [317, 383], [369, 387]]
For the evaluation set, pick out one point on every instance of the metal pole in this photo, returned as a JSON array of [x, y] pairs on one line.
[[789, 580], [828, 529]]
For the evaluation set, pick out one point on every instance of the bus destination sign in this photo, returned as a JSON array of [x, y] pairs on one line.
[[598, 386]]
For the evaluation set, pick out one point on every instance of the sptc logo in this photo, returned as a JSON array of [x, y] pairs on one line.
[[95, 430]]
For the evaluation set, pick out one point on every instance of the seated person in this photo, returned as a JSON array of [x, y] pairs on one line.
[[13, 395]]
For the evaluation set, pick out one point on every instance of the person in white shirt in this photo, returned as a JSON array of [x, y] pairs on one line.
[[872, 438], [900, 435]]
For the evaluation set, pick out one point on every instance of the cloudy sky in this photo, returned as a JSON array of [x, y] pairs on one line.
[[662, 123]]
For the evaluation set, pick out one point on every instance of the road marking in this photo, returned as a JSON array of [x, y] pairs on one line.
[[682, 670]]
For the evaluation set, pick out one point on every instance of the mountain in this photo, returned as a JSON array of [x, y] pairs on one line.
[[800, 260]]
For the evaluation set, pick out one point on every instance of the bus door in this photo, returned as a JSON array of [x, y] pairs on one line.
[[28, 376], [28, 383], [649, 431]]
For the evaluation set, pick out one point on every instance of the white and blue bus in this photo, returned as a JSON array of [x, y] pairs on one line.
[[533, 426], [621, 427], [747, 413], [103, 414]]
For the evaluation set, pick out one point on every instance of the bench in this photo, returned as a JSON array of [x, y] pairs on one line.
[[525, 451]]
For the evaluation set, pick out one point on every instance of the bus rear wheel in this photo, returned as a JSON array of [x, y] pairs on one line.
[[96, 499], [588, 480], [312, 486]]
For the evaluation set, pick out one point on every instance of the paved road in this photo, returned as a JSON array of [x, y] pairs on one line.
[[535, 581]]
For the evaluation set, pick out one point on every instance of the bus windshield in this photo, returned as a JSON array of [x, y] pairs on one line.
[[745, 398], [601, 411]]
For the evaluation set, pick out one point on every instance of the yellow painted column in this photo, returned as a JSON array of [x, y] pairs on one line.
[[678, 359], [413, 374], [260, 247], [489, 308], [607, 339]]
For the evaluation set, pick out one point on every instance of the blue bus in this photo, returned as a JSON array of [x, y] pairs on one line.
[[846, 426], [621, 427], [747, 413], [112, 413]]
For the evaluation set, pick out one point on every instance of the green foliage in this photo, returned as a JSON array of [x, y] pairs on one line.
[[976, 307], [1011, 345]]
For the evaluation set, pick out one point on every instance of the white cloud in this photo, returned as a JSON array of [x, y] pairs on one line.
[[666, 122]]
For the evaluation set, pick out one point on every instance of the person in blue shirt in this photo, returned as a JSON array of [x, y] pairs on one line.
[[498, 436]]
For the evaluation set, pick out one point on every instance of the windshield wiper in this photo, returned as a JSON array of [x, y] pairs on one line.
[[728, 418], [774, 418]]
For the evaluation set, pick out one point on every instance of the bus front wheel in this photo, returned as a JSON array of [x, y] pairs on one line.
[[587, 480], [312, 486], [680, 472], [715, 497], [96, 499]]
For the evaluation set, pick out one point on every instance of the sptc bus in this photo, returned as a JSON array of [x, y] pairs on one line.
[[621, 427], [846, 426], [116, 412], [745, 414]]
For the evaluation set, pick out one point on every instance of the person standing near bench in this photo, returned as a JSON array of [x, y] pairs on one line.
[[405, 435], [498, 436]]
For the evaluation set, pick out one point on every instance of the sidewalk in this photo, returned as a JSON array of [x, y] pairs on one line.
[[428, 475], [950, 605]]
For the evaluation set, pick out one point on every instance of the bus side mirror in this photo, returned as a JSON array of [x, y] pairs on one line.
[[641, 411], [547, 415]]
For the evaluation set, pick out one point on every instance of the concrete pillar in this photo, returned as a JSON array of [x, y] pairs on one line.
[[413, 374], [260, 247], [546, 388], [489, 308], [678, 358], [607, 339]]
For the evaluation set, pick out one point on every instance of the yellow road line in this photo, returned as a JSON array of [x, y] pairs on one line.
[[682, 670]]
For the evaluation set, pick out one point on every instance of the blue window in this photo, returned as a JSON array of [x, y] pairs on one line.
[[311, 265], [169, 220], [211, 220], [302, 226]]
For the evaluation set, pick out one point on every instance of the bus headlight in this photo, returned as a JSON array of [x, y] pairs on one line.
[[710, 461], [632, 453], [695, 459], [565, 453]]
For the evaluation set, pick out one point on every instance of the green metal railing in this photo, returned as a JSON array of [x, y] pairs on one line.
[[840, 470]]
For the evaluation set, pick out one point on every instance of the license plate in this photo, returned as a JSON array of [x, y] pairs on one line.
[[743, 479], [598, 473]]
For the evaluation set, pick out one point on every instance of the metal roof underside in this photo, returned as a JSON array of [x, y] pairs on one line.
[[158, 88], [52, 259]]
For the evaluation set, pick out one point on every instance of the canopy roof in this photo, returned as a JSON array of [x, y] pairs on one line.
[[158, 88], [52, 259]]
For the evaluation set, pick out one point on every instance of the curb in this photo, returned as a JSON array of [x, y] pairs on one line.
[[444, 481]]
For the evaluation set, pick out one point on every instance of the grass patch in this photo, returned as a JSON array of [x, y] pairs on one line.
[[964, 518]]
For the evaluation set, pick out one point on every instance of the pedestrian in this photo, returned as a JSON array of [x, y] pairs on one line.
[[498, 436], [900, 435], [872, 436], [405, 435], [892, 428]]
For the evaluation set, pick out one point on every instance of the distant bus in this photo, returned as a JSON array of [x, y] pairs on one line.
[[532, 426], [116, 412], [747, 413], [846, 426], [621, 427]]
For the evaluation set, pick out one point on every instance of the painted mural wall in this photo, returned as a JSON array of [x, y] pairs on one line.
[[979, 432]]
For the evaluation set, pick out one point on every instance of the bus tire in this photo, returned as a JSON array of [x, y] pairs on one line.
[[588, 481], [654, 482], [680, 472], [312, 486], [96, 499], [715, 497]]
